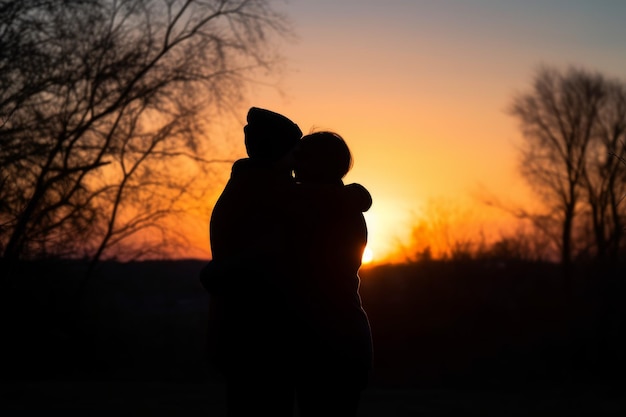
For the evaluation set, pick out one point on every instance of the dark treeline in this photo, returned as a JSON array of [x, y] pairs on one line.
[[435, 323]]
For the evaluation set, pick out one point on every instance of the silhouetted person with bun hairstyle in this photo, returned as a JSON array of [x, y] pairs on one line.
[[335, 349]]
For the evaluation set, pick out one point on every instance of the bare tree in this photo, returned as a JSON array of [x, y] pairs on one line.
[[557, 117], [571, 123], [103, 106], [604, 177]]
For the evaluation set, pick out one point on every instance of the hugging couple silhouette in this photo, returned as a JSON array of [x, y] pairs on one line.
[[287, 328]]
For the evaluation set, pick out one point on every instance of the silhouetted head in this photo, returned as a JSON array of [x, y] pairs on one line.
[[322, 157], [269, 136]]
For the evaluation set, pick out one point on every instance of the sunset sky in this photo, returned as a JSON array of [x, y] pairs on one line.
[[419, 90]]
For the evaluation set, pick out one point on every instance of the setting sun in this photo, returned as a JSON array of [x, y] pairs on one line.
[[368, 256]]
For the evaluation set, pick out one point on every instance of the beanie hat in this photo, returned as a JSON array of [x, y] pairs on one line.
[[270, 135]]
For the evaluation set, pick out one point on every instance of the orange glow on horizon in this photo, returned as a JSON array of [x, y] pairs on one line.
[[399, 204]]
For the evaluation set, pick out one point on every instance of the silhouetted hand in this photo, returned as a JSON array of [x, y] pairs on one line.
[[359, 196]]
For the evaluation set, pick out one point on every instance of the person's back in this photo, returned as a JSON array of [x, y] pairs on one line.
[[246, 306], [248, 317], [336, 245], [336, 345]]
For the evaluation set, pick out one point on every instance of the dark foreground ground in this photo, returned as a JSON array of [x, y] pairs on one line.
[[451, 339], [205, 399]]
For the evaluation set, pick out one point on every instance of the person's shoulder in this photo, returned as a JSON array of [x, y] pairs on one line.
[[242, 165]]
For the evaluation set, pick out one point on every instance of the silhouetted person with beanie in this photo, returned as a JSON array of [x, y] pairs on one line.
[[249, 328]]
